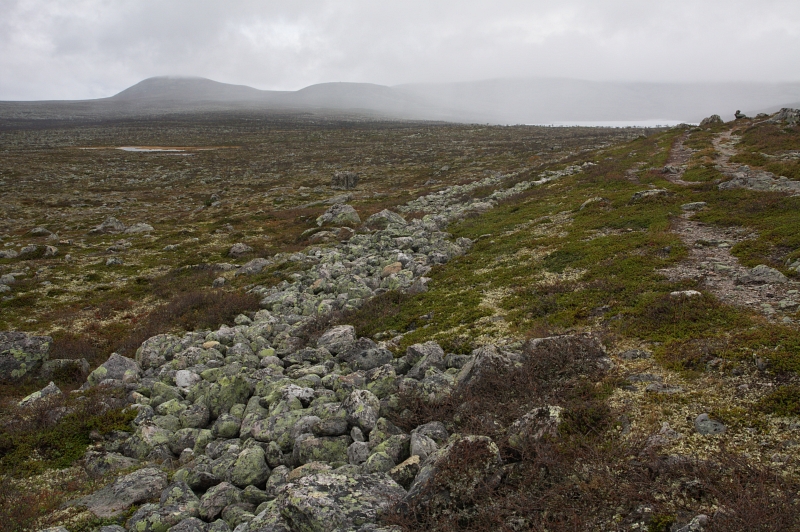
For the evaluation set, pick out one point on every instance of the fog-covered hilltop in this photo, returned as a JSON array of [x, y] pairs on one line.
[[499, 101]]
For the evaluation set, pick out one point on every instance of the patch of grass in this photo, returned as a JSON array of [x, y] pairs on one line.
[[702, 174], [784, 401], [55, 433]]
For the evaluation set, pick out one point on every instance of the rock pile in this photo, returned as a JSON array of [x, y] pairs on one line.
[[269, 433]]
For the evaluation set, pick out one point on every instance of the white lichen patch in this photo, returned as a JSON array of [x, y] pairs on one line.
[[546, 278]]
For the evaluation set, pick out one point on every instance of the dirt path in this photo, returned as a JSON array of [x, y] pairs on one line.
[[678, 161], [710, 260]]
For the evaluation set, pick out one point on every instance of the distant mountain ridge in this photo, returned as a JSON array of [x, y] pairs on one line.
[[499, 101]]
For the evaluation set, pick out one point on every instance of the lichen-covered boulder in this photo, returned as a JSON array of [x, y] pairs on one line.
[[338, 339], [98, 463], [535, 425], [365, 355], [309, 448], [363, 409], [134, 488], [217, 498], [278, 429], [21, 355], [338, 215], [429, 355], [157, 350], [178, 502], [49, 392], [250, 468], [383, 219], [331, 501]]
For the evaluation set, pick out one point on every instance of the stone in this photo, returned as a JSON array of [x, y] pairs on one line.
[[139, 227], [226, 426], [762, 274], [117, 367], [697, 524], [40, 231], [383, 219], [109, 225], [331, 501], [362, 408], [635, 354], [365, 355], [537, 424], [344, 180], [134, 488], [331, 449], [662, 388], [358, 452], [51, 391], [21, 355], [239, 249], [217, 498], [711, 121], [649, 194], [178, 502], [432, 357], [790, 117], [338, 339], [157, 350], [253, 267], [250, 468], [422, 446], [98, 463], [434, 430], [405, 472], [379, 462], [338, 215], [705, 425], [185, 379], [191, 524], [694, 206]]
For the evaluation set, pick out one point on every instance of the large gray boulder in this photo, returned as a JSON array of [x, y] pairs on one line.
[[762, 274], [250, 468], [338, 339], [344, 180], [117, 367], [177, 502], [158, 350], [217, 498], [331, 501], [21, 355], [711, 121], [383, 219], [109, 225], [135, 488], [339, 215], [363, 409]]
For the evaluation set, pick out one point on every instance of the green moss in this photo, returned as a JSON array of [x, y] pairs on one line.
[[661, 523], [785, 401]]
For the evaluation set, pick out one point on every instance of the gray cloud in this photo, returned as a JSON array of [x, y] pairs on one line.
[[94, 48]]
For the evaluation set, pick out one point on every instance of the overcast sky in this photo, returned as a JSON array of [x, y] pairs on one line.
[[75, 49]]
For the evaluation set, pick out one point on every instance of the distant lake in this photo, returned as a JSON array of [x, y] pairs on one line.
[[661, 122]]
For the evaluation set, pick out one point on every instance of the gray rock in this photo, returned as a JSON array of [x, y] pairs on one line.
[[8, 254], [117, 367], [253, 267], [134, 488], [21, 355], [358, 452], [331, 449], [330, 501], [51, 391], [697, 524], [434, 430], [422, 446], [339, 215], [365, 355], [762, 274], [711, 121], [432, 357], [186, 379], [694, 206], [535, 425], [383, 219], [250, 468], [344, 180], [110, 225], [662, 388], [226, 426], [239, 249], [177, 503], [379, 462], [704, 425], [634, 354], [192, 524], [217, 498], [362, 408], [338, 339], [649, 194], [98, 464], [139, 227]]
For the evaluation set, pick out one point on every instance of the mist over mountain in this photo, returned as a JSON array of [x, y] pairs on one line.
[[498, 101]]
